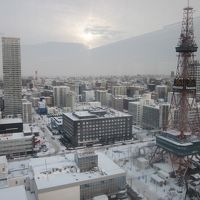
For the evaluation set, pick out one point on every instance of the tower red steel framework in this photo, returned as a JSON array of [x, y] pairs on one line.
[[179, 141]]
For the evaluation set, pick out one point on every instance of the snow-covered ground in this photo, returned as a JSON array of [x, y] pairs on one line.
[[140, 179]]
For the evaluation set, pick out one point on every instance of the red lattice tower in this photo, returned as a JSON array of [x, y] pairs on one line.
[[179, 141], [183, 109]]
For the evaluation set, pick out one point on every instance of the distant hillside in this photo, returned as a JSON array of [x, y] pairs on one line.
[[152, 53]]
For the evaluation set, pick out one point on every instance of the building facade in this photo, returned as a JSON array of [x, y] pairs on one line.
[[150, 117], [155, 116], [135, 109], [27, 112], [66, 181], [101, 95], [11, 125], [60, 96], [119, 90], [117, 102], [12, 76], [96, 126], [16, 144]]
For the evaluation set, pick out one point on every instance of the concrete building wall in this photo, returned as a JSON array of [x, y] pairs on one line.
[[17, 146], [72, 193], [3, 167], [16, 181]]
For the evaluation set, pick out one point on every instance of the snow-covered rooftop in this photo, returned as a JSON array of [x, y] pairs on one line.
[[13, 136], [78, 115], [58, 171], [3, 159], [26, 128], [11, 193], [10, 120]]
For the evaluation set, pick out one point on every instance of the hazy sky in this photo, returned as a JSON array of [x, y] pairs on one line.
[[91, 22]]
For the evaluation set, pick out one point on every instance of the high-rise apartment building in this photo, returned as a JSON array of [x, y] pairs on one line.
[[100, 95], [117, 102], [155, 116], [119, 90], [12, 76], [27, 112], [135, 109], [161, 91], [60, 95]]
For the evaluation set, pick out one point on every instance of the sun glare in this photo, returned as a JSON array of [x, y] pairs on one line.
[[88, 39]]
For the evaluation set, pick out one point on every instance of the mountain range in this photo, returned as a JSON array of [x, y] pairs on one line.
[[151, 53]]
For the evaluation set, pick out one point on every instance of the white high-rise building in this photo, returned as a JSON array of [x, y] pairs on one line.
[[88, 95], [70, 99], [12, 76], [100, 95], [135, 109], [119, 90]]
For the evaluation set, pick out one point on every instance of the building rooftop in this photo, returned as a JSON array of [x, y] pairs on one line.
[[10, 120], [13, 136], [3, 159], [85, 154], [135, 103], [84, 114], [58, 120], [95, 113], [26, 128], [11, 193], [58, 171]]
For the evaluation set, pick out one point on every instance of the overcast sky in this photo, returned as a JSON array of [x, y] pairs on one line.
[[91, 22]]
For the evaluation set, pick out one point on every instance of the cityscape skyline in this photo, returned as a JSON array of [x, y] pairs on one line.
[[100, 123]]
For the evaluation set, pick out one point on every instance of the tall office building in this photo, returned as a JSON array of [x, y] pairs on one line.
[[12, 76]]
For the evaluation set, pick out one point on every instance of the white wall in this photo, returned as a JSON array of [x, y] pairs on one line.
[[72, 193]]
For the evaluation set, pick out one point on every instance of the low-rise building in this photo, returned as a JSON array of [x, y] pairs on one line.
[[11, 125], [60, 177], [16, 144]]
